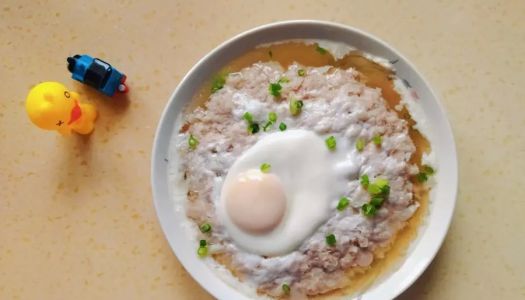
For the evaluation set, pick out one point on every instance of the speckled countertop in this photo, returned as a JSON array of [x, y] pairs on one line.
[[76, 214]]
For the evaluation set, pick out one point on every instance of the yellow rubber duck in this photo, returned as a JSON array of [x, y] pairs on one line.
[[50, 105]]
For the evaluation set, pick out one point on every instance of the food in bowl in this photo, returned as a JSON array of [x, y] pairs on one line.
[[304, 168]]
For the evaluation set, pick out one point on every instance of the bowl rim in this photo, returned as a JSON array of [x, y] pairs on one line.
[[158, 156]]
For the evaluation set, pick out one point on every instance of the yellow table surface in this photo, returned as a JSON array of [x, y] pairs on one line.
[[76, 214]]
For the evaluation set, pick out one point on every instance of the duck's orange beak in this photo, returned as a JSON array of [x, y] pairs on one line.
[[76, 113]]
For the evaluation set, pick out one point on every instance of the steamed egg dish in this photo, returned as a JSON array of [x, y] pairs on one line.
[[299, 177]]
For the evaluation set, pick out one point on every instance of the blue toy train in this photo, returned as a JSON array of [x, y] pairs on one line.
[[97, 73]]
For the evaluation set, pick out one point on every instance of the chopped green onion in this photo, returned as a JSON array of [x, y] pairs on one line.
[[296, 106], [343, 203], [301, 72], [330, 240], [360, 144], [193, 142], [286, 289], [369, 210], [218, 82], [381, 182], [272, 117], [275, 89], [206, 227], [202, 243], [427, 169], [377, 139], [253, 128], [248, 117], [265, 167], [320, 49], [283, 79], [330, 142], [365, 181], [422, 177], [377, 201], [282, 126], [374, 189], [202, 251]]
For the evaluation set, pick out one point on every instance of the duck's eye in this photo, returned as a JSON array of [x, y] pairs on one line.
[[60, 122], [66, 93]]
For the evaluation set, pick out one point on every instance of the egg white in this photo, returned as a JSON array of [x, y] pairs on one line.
[[313, 178]]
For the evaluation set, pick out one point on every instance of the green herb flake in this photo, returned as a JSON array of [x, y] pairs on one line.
[[422, 177], [275, 89], [205, 228], [202, 251], [369, 210], [248, 117], [282, 126], [283, 79], [360, 144], [202, 243], [286, 289], [365, 181], [330, 240], [377, 139], [377, 201], [330, 142], [296, 106], [343, 203], [427, 169], [218, 82], [374, 189], [272, 117], [320, 49], [253, 128], [193, 142], [265, 167], [301, 72]]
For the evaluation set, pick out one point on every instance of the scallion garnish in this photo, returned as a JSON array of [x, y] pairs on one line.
[[365, 181], [377, 139], [248, 117], [283, 79], [320, 49], [218, 82], [282, 126], [301, 72], [428, 169], [203, 243], [330, 142], [343, 203], [272, 117], [296, 106], [202, 251], [286, 289], [193, 142], [252, 126], [369, 210], [206, 227], [275, 89], [330, 240], [377, 201], [265, 167], [360, 144]]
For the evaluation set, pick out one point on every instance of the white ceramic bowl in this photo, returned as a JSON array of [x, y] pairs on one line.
[[443, 197]]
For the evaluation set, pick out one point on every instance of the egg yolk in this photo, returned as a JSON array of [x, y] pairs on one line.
[[255, 201]]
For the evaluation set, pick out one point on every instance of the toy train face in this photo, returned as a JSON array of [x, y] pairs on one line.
[[97, 74]]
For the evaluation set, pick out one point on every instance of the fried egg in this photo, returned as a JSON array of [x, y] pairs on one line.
[[271, 211]]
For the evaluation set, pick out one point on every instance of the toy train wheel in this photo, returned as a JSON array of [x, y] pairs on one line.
[[122, 88]]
